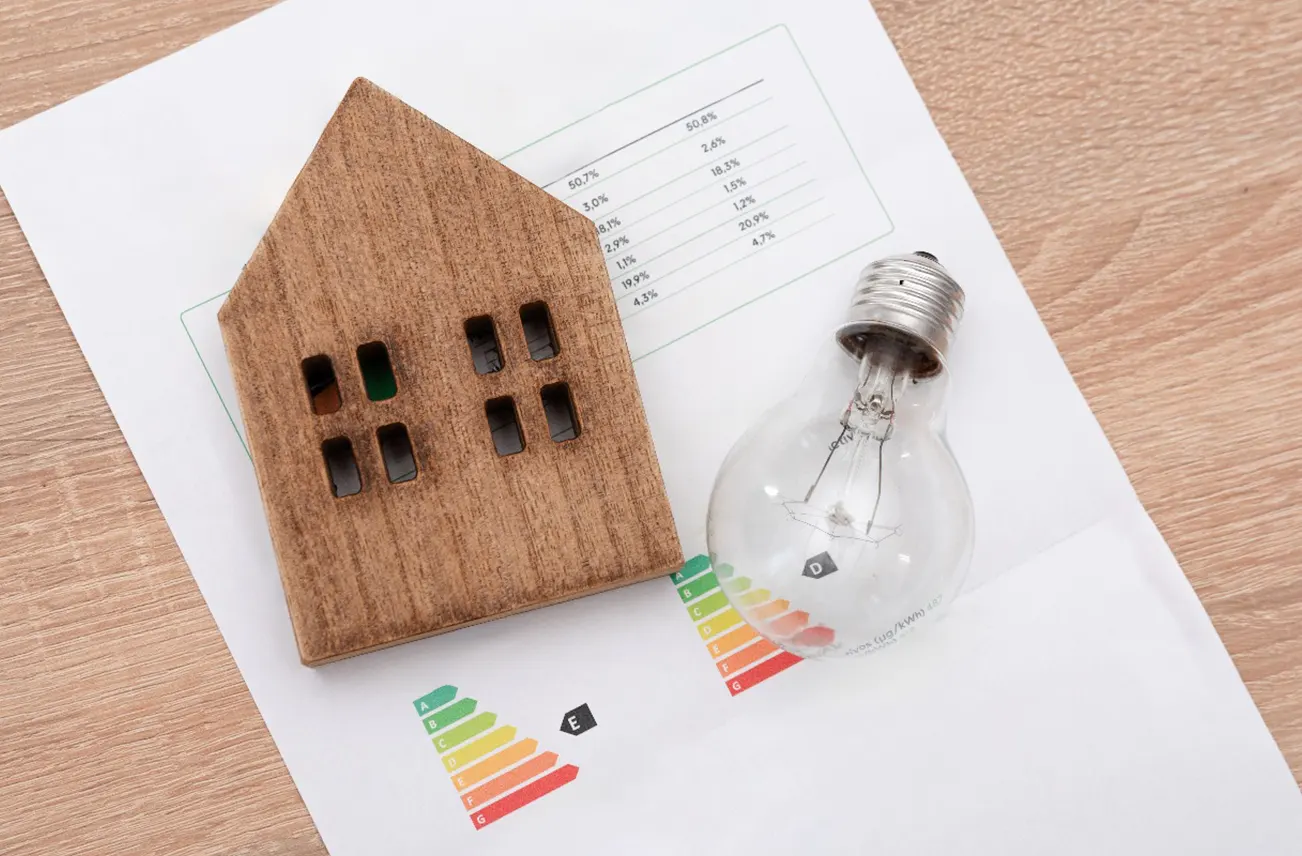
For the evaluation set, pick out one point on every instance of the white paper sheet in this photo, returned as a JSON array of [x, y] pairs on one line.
[[1078, 704]]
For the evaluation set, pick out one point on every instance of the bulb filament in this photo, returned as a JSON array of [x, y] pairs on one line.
[[867, 425]]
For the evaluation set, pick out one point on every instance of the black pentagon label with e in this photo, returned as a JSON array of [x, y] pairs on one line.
[[578, 720], [819, 566]]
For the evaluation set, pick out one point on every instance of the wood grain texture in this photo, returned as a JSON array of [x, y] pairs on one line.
[[399, 232], [1140, 163]]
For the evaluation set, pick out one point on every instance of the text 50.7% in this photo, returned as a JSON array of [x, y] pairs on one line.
[[583, 178]]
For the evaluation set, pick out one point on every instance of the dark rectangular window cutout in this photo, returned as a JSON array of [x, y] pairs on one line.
[[538, 331], [377, 371], [484, 350], [504, 425], [341, 465], [322, 385], [395, 448], [559, 407]]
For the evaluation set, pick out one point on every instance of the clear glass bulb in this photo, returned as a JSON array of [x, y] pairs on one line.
[[841, 520]]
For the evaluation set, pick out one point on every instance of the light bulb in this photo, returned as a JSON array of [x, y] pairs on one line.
[[840, 522]]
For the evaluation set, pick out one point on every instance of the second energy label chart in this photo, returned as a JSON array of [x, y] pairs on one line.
[[707, 207]]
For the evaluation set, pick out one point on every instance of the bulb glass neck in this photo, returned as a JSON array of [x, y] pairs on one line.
[[886, 370]]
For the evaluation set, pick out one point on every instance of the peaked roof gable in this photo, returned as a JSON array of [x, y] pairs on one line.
[[385, 183]]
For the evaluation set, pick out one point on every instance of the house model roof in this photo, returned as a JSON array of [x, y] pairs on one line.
[[436, 391]]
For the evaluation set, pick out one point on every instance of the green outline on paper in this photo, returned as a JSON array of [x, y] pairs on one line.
[[694, 330], [203, 363]]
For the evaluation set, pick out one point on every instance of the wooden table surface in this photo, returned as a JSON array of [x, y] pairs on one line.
[[1142, 164]]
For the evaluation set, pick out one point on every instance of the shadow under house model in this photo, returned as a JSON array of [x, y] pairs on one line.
[[436, 391]]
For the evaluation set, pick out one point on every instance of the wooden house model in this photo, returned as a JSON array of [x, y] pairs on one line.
[[436, 391]]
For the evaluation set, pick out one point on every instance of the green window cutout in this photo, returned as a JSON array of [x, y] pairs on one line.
[[377, 371]]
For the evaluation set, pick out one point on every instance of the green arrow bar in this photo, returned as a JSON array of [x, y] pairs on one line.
[[449, 715], [465, 731], [707, 605], [438, 698], [691, 568], [698, 587]]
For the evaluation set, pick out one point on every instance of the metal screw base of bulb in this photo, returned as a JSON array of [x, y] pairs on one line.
[[910, 297]]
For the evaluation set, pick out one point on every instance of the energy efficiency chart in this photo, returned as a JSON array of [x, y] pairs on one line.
[[742, 656], [493, 772]]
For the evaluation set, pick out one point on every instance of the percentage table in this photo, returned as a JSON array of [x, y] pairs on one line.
[[736, 182]]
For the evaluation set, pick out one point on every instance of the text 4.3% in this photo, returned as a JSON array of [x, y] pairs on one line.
[[646, 297]]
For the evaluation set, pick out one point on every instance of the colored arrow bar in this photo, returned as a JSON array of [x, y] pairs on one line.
[[697, 587], [690, 568], [736, 662], [449, 715], [479, 748], [494, 788], [768, 610], [731, 640], [815, 637], [465, 731], [494, 764], [789, 623], [524, 796], [438, 698], [716, 624], [706, 605], [765, 670]]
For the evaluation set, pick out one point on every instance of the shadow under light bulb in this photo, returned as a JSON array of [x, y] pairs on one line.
[[845, 501]]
